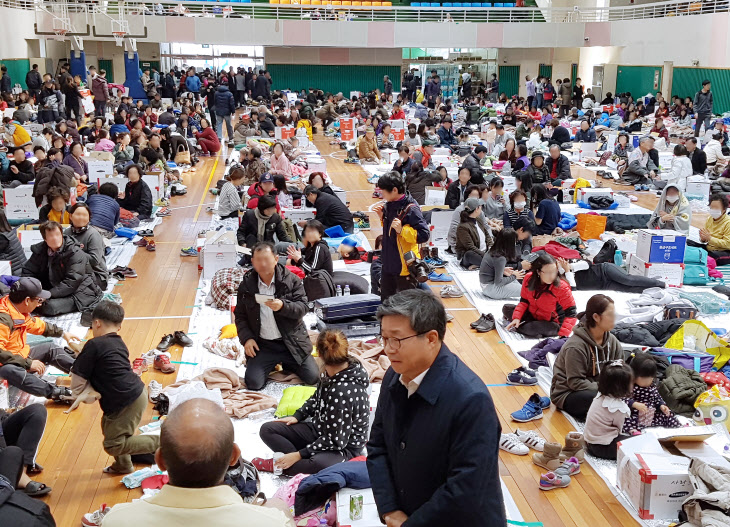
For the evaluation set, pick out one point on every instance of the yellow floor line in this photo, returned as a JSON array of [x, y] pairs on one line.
[[205, 190]]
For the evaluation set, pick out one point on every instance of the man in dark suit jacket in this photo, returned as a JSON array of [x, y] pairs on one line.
[[697, 156], [434, 446]]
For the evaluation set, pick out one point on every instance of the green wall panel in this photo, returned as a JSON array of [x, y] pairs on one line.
[[333, 79], [509, 80], [546, 70], [637, 80], [108, 65], [17, 68], [573, 74], [688, 81]]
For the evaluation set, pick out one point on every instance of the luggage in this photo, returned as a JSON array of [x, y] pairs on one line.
[[341, 307], [352, 327], [697, 361]]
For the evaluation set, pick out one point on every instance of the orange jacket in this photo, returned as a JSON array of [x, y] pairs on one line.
[[14, 326]]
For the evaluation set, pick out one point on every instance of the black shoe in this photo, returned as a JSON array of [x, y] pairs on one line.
[[722, 289], [487, 324], [166, 342], [478, 321], [60, 393], [33, 469], [179, 337], [119, 276], [143, 459]]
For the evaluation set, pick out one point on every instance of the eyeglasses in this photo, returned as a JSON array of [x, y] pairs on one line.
[[38, 299], [394, 342]]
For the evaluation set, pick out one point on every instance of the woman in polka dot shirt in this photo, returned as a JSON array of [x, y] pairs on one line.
[[332, 425]]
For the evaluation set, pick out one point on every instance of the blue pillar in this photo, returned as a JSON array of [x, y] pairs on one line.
[[131, 70], [78, 64]]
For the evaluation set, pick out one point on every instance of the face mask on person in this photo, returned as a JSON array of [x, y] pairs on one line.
[[672, 199], [716, 213], [520, 205]]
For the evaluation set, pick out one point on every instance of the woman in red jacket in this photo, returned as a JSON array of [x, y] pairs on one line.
[[546, 307], [398, 113], [207, 139]]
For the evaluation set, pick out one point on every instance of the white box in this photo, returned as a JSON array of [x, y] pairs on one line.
[[441, 151], [218, 252], [156, 182], [28, 239], [435, 196], [297, 215], [440, 223], [389, 156], [588, 192], [660, 246], [397, 124], [342, 194], [120, 182], [20, 203], [698, 190], [370, 516], [100, 170], [444, 160], [670, 274], [655, 480], [5, 267]]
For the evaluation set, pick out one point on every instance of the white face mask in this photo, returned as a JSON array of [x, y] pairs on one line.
[[672, 199], [716, 213], [520, 205]]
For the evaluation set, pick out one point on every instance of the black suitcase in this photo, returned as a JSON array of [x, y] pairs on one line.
[[352, 327], [339, 307]]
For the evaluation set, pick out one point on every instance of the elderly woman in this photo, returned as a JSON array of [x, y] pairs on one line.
[[367, 148]]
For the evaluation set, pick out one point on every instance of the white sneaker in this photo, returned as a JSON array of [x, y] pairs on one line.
[[531, 439], [93, 519], [149, 357], [512, 444], [154, 390]]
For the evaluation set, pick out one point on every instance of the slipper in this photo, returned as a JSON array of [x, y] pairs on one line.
[[35, 468], [264, 465], [111, 470], [36, 488]]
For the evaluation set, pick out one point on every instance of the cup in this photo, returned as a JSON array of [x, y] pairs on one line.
[[277, 456]]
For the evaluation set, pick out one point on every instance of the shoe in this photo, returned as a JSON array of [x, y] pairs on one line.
[[165, 343], [530, 412], [520, 378], [478, 321], [33, 469], [574, 447], [149, 357], [189, 251], [151, 246], [179, 337], [449, 317], [531, 439], [154, 389], [142, 242], [487, 324], [570, 467], [213, 191], [60, 394], [549, 458], [439, 277], [545, 402], [436, 262], [162, 202], [119, 276], [164, 212], [147, 233], [551, 481], [451, 291], [93, 519], [637, 187], [644, 187], [528, 371], [128, 272], [263, 465], [510, 443], [162, 363], [139, 366]]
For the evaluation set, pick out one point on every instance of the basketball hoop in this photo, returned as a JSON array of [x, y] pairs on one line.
[[60, 33], [119, 37]]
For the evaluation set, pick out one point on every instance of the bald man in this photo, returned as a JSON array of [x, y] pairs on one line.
[[196, 449]]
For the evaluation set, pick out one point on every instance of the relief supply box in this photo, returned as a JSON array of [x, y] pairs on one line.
[[585, 193], [671, 274], [660, 246], [344, 307]]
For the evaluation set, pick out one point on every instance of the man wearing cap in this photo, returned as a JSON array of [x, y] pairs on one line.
[[474, 163], [330, 209], [17, 359], [367, 147], [262, 188], [423, 154], [446, 133]]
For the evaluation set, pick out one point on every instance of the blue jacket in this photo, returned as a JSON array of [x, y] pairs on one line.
[[435, 455], [104, 211], [315, 490], [391, 254], [447, 137], [192, 83], [225, 104]]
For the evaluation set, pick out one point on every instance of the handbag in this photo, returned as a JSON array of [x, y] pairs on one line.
[[182, 157], [243, 478], [680, 309], [697, 361]]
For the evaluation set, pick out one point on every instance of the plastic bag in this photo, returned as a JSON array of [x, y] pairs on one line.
[[712, 406], [194, 390]]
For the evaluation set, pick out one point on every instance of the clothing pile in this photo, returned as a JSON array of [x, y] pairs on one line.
[[372, 357]]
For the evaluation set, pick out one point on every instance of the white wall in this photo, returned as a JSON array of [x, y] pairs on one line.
[[17, 31]]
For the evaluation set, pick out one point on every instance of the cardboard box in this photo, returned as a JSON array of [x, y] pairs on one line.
[[399, 135], [283, 132], [397, 124], [28, 239], [435, 196], [347, 123], [347, 135], [19, 203], [297, 215], [671, 274], [587, 192], [440, 223], [698, 190], [218, 252], [101, 165], [660, 246], [441, 151], [652, 469], [389, 156]]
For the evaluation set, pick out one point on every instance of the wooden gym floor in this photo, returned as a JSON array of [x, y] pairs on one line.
[[160, 301]]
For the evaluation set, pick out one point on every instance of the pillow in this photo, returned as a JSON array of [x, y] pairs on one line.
[[228, 332], [292, 400]]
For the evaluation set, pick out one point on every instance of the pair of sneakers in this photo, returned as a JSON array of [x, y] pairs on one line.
[[522, 377], [532, 410], [484, 323], [560, 477], [520, 442]]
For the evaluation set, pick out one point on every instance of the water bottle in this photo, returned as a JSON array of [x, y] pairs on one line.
[[347, 290], [618, 258], [339, 291]]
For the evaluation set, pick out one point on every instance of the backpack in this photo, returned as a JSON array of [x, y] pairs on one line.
[[319, 284], [695, 266], [291, 230]]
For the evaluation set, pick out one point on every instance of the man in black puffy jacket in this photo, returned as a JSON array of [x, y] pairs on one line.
[[330, 209], [33, 81], [225, 106]]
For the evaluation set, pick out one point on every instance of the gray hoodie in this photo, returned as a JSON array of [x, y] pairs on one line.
[[681, 210], [579, 363]]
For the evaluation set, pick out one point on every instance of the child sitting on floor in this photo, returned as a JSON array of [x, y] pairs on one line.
[[647, 406], [104, 363], [608, 411]]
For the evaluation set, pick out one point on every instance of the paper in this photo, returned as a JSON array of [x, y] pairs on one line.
[[262, 299], [20, 203]]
